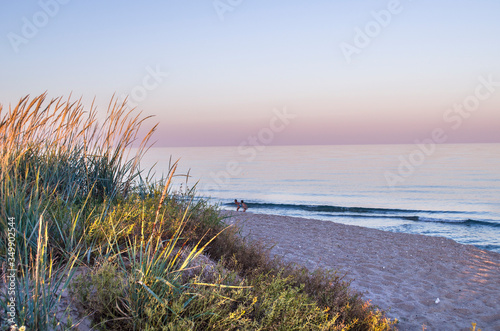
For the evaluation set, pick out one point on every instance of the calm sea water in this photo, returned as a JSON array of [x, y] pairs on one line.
[[451, 191]]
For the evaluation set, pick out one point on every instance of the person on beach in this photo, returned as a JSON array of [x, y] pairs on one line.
[[243, 205], [237, 204]]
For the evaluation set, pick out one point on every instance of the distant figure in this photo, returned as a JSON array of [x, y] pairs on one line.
[[243, 205], [237, 204]]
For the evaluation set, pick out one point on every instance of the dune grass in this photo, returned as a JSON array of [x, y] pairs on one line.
[[131, 252]]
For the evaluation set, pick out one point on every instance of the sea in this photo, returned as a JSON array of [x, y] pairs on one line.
[[447, 190]]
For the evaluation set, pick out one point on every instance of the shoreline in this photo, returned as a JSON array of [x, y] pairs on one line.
[[403, 274]]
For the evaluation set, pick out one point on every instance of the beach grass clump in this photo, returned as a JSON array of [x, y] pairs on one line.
[[58, 166], [134, 254]]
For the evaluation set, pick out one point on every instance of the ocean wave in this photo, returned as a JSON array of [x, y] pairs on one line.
[[334, 209], [448, 217], [468, 221]]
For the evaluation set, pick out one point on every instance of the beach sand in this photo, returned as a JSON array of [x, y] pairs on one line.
[[403, 274]]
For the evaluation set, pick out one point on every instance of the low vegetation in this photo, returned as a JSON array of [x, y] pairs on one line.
[[92, 237]]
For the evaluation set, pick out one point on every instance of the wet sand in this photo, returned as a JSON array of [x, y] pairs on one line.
[[403, 274]]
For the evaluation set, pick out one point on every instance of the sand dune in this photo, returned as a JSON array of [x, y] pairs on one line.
[[419, 280]]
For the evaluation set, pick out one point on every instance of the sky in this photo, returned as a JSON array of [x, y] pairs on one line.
[[233, 72]]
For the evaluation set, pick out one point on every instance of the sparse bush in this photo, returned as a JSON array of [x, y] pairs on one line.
[[101, 289]]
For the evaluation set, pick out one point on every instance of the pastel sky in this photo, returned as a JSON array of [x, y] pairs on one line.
[[216, 72]]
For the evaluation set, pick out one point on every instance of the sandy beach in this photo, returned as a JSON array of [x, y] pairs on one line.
[[420, 280]]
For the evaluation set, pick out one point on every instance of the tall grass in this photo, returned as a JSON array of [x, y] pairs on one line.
[[68, 149], [55, 152], [58, 167]]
